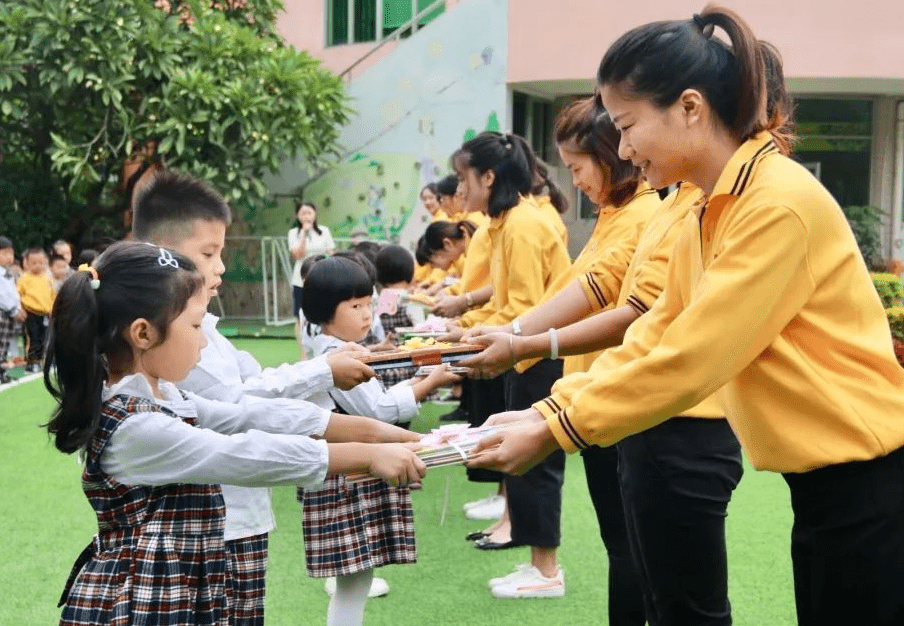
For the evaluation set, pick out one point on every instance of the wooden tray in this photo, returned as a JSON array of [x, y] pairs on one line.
[[420, 356]]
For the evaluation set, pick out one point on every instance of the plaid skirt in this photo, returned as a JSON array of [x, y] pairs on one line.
[[352, 528], [245, 586], [129, 577], [8, 334]]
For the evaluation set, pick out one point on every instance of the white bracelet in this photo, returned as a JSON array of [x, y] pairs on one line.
[[553, 344], [468, 299], [516, 327]]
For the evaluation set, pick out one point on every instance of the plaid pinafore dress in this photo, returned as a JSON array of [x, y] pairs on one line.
[[158, 557]]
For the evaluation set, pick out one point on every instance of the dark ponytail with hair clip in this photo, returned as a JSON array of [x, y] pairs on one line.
[[91, 312], [658, 61], [512, 162]]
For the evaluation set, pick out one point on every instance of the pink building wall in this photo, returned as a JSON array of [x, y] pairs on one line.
[[565, 39], [303, 25]]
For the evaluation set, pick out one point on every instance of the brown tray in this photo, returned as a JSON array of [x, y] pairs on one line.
[[420, 356]]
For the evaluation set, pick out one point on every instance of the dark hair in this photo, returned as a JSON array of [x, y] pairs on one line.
[[511, 160], [447, 185], [5, 242], [57, 257], [87, 324], [32, 250], [779, 106], [658, 61], [431, 187], [394, 265], [585, 125], [432, 239], [330, 282], [305, 268], [86, 256], [166, 207], [545, 186], [368, 249], [315, 226], [360, 259]]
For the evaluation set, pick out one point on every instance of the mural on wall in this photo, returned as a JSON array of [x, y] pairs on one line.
[[414, 108]]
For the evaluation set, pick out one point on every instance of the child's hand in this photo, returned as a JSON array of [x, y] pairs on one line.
[[388, 343], [348, 371], [441, 376], [396, 464]]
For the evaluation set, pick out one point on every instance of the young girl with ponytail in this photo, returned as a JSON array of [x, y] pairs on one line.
[[154, 456]]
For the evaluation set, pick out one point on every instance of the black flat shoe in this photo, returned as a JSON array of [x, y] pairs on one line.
[[475, 536], [493, 545]]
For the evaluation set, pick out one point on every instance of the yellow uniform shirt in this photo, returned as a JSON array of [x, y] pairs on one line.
[[767, 301], [36, 293], [549, 212], [476, 271], [645, 280], [604, 260], [440, 215], [527, 255]]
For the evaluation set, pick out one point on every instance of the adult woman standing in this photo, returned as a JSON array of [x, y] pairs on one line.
[[496, 172], [767, 301], [306, 238]]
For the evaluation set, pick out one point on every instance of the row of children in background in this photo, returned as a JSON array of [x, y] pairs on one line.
[[122, 332], [27, 290]]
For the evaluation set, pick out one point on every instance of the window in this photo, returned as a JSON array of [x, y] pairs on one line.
[[355, 21], [532, 119], [835, 144]]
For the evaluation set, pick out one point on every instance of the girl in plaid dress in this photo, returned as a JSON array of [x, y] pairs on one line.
[[350, 529], [154, 457]]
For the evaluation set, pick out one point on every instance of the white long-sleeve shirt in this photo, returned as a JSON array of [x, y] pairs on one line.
[[241, 444], [231, 375], [392, 405], [9, 297]]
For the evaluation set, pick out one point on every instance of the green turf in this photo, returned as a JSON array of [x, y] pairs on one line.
[[45, 521]]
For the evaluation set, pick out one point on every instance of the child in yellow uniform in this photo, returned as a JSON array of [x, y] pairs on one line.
[[767, 301], [36, 291]]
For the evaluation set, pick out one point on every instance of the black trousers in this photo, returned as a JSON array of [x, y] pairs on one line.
[[535, 498], [626, 606], [36, 331], [482, 398], [677, 479], [847, 543]]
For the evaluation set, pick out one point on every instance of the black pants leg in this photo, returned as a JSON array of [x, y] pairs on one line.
[[626, 607], [535, 498], [36, 330], [482, 398], [847, 543], [677, 479]]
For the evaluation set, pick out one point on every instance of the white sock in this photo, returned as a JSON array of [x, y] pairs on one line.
[[347, 604]]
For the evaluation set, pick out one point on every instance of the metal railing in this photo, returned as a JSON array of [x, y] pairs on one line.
[[413, 24]]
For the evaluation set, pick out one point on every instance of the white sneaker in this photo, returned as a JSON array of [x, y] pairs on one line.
[[492, 509], [504, 579], [490, 498], [378, 587], [530, 583]]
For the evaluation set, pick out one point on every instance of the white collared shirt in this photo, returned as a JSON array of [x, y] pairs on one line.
[[230, 443], [227, 374], [393, 405]]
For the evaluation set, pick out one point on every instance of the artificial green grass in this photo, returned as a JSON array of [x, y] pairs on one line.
[[45, 521]]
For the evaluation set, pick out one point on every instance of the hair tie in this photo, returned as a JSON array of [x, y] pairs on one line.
[[94, 281], [166, 258], [705, 29]]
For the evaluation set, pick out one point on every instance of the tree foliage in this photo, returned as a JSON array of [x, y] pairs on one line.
[[87, 86]]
